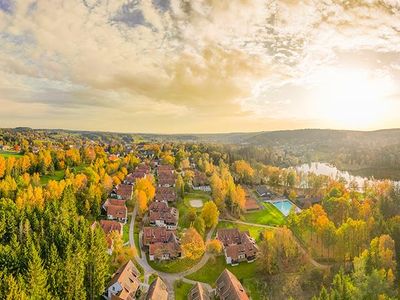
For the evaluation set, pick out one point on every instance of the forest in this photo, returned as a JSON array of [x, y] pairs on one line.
[[53, 184]]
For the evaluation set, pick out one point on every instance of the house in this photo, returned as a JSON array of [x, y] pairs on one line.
[[263, 191], [200, 179], [161, 215], [199, 292], [109, 226], [117, 212], [251, 203], [166, 180], [157, 290], [125, 283], [111, 201], [141, 171], [162, 244], [306, 202], [165, 169], [238, 245], [228, 287], [113, 157], [122, 192], [166, 194]]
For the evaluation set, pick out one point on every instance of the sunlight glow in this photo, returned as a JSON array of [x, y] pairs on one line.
[[353, 98]]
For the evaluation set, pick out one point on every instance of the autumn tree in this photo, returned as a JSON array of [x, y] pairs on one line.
[[210, 214], [146, 185], [192, 244], [214, 247], [244, 171]]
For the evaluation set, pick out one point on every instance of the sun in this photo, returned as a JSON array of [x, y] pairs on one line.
[[353, 98]]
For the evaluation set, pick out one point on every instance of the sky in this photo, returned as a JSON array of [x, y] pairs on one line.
[[198, 66]]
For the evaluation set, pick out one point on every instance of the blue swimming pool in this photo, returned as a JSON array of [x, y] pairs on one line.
[[284, 206]]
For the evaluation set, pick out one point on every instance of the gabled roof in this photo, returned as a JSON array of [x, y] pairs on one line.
[[199, 292], [161, 211], [128, 277], [117, 211], [229, 287], [108, 226], [157, 290]]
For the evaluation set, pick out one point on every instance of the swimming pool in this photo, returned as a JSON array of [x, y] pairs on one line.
[[284, 206]]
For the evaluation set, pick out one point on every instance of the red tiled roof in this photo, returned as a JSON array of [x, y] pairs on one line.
[[117, 211], [165, 194], [108, 226], [124, 190], [128, 277], [161, 211], [237, 243], [229, 287]]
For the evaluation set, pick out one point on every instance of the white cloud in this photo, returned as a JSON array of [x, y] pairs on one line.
[[219, 57]]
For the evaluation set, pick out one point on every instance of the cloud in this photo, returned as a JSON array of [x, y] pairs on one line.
[[218, 58]]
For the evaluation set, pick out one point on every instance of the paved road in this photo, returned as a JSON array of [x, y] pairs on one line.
[[169, 278]]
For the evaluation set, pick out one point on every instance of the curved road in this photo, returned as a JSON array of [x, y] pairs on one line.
[[169, 278]]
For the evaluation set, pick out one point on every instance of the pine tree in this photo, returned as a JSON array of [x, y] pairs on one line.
[[98, 264], [36, 276]]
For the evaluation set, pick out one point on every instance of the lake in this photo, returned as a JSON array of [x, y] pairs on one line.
[[360, 176]]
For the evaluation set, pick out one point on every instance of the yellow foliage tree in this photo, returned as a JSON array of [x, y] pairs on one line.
[[192, 244]]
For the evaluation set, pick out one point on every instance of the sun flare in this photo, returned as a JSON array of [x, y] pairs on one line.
[[353, 98]]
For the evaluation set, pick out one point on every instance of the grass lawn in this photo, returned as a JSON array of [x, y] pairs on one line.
[[182, 290], [173, 266], [125, 235], [7, 154], [58, 175], [136, 238], [254, 231], [184, 205], [153, 277], [270, 215], [245, 272]]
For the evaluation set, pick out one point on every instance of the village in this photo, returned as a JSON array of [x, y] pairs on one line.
[[159, 269]]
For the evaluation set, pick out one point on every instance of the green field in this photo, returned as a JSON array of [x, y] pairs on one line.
[[7, 154], [182, 290], [270, 215], [245, 272], [58, 175], [173, 266]]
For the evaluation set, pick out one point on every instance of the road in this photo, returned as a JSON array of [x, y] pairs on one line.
[[171, 278], [299, 244], [168, 278]]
